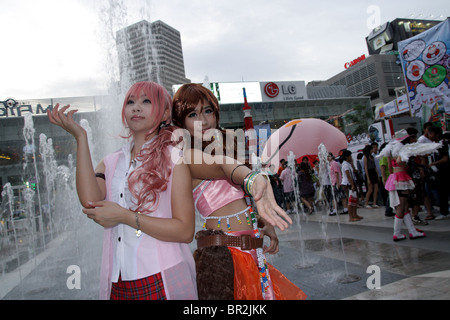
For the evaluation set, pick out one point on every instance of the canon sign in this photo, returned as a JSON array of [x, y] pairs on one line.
[[354, 62]]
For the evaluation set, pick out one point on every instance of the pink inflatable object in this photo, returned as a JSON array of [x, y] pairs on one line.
[[302, 137]]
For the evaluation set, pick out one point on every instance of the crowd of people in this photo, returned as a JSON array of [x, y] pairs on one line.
[[362, 180]]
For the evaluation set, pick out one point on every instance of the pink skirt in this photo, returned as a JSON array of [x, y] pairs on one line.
[[399, 181]]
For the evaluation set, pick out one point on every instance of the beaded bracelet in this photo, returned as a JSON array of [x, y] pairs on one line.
[[249, 180], [138, 230]]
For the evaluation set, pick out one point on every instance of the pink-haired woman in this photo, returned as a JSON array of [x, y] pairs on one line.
[[147, 227]]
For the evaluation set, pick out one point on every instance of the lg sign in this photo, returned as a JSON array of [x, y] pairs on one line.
[[272, 90]]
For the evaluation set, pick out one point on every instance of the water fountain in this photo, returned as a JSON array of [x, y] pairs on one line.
[[305, 261], [43, 233], [8, 224], [312, 251], [325, 170], [43, 228]]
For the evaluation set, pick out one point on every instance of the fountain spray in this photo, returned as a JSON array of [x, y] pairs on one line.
[[325, 170]]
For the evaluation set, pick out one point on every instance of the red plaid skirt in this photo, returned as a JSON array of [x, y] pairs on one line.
[[150, 288]]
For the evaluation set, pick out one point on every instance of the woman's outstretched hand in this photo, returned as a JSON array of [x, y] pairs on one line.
[[60, 118], [267, 206]]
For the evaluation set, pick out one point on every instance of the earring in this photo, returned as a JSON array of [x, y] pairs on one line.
[[163, 125]]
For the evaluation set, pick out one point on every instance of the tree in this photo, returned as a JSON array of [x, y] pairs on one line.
[[358, 120]]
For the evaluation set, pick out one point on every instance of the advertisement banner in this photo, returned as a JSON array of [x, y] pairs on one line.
[[283, 91], [425, 59], [376, 132], [385, 110], [392, 108], [231, 92], [402, 104]]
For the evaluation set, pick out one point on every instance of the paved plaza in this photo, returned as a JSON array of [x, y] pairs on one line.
[[362, 264], [409, 269]]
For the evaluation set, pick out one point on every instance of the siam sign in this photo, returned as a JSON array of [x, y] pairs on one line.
[[10, 107]]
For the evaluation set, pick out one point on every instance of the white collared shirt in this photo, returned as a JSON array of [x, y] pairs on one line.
[[134, 258]]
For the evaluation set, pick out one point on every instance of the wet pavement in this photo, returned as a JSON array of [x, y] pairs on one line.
[[329, 258], [409, 269]]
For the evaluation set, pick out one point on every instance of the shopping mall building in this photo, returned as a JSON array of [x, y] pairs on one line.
[[271, 102], [364, 81]]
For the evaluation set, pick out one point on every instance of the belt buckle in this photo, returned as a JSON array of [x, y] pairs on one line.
[[246, 242]]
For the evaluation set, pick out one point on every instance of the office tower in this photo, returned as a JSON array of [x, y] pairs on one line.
[[151, 52]]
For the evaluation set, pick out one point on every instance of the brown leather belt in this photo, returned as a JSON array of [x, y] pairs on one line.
[[245, 242]]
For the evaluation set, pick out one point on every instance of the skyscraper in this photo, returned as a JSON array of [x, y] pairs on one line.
[[151, 52]]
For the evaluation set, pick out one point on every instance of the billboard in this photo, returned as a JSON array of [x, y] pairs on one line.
[[231, 92], [283, 91], [397, 106], [425, 60]]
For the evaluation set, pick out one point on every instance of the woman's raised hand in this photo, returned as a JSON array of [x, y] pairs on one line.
[[267, 206], [60, 118]]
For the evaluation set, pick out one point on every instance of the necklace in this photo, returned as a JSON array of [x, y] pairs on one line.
[[133, 161], [133, 152]]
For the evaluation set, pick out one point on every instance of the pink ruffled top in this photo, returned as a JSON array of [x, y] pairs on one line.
[[211, 195]]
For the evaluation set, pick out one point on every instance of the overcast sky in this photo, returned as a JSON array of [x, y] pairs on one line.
[[60, 48]]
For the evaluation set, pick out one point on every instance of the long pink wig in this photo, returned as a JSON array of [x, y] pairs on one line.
[[151, 178]]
